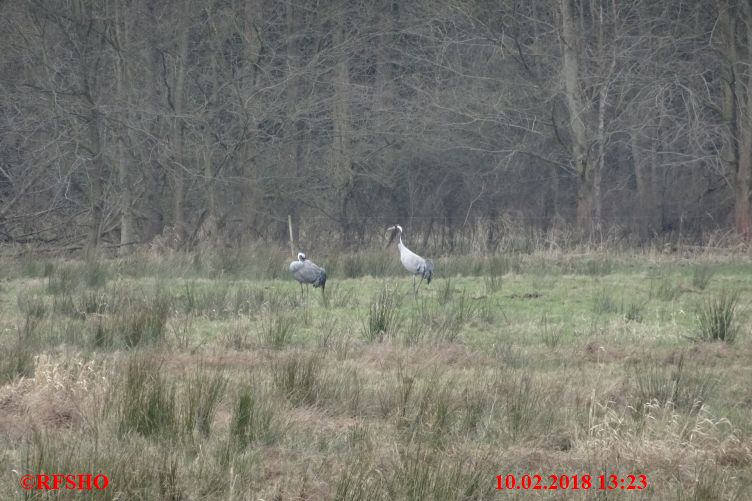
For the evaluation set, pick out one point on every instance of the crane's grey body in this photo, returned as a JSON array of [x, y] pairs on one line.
[[306, 272], [412, 262], [415, 264]]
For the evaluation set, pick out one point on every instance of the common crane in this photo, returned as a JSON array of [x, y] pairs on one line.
[[412, 262], [306, 272]]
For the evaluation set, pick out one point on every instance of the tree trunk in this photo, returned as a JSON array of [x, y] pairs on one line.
[[153, 170], [341, 151], [95, 170], [552, 200], [744, 139], [584, 208], [295, 25], [249, 186], [599, 167], [646, 212], [736, 107], [127, 226], [384, 73], [579, 139], [178, 128], [743, 81], [209, 228], [605, 71]]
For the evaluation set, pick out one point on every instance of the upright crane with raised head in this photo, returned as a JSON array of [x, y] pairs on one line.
[[412, 262]]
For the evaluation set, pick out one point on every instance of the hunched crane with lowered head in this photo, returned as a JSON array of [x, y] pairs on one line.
[[306, 272], [412, 262]]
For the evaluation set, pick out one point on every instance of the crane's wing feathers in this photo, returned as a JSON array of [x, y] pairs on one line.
[[321, 279], [307, 272], [427, 271]]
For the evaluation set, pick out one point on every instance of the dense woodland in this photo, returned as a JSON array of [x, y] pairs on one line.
[[141, 121]]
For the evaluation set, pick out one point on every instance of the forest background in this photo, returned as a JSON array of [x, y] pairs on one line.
[[466, 121]]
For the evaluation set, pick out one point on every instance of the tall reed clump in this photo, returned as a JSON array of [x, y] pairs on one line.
[[717, 319], [299, 378], [416, 328], [31, 304], [684, 389], [527, 406], [375, 264], [604, 302], [665, 287], [277, 328], [145, 400], [445, 292], [599, 266], [551, 334], [701, 276], [17, 355], [450, 319], [146, 326], [383, 316], [203, 394], [62, 279], [496, 268], [135, 322], [418, 472], [255, 418], [94, 274], [33, 268]]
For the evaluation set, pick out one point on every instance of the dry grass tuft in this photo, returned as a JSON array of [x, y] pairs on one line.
[[58, 395]]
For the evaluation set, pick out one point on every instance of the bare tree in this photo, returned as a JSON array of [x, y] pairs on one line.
[[735, 37], [458, 118]]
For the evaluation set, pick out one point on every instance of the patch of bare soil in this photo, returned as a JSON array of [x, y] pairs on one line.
[[385, 356]]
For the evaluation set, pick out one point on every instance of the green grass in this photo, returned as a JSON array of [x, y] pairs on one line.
[[701, 276], [205, 376]]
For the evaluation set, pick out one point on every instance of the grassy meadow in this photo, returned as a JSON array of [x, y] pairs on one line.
[[205, 376]]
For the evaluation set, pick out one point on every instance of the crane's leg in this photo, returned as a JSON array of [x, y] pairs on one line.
[[421, 281], [301, 292]]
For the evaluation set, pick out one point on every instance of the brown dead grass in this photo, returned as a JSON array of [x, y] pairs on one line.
[[58, 396], [389, 356]]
